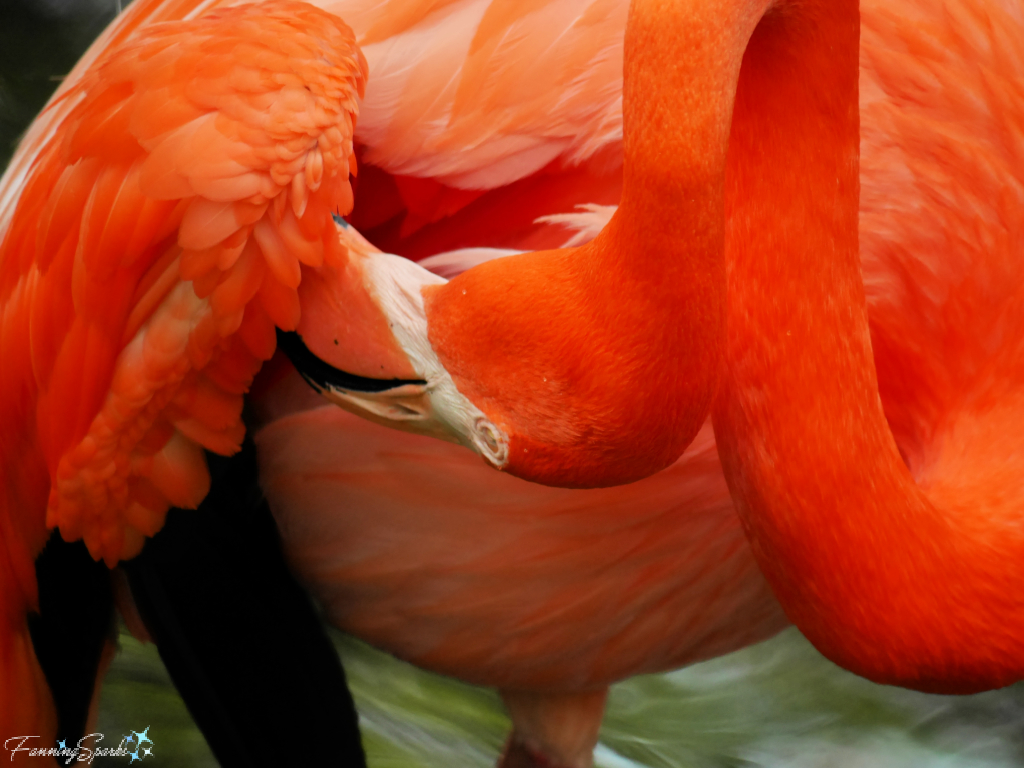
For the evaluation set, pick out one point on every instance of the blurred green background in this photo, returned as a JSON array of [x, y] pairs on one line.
[[776, 704]]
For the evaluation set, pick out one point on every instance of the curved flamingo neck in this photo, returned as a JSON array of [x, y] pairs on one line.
[[682, 61], [877, 576], [600, 362]]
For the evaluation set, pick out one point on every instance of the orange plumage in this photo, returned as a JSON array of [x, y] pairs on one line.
[[473, 152], [156, 243], [174, 164], [911, 574]]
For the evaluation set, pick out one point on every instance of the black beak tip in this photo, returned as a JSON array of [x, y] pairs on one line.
[[322, 375]]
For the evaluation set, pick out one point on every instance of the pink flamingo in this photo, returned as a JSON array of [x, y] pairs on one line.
[[161, 218], [549, 666], [401, 552]]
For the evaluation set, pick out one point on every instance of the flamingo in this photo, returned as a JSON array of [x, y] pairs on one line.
[[482, 576], [173, 207], [755, 597]]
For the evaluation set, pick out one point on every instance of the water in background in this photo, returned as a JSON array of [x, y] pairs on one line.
[[776, 704]]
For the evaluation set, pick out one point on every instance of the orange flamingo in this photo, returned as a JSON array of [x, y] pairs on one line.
[[170, 204], [741, 579], [402, 552]]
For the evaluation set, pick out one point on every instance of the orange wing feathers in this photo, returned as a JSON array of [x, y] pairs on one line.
[[195, 172]]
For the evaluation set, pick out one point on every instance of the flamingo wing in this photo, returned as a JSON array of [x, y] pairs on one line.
[[151, 235], [157, 242], [478, 94]]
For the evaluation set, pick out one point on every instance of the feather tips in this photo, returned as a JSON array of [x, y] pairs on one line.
[[942, 192], [194, 173], [480, 93]]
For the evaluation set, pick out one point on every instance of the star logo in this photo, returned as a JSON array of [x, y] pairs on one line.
[[142, 742], [61, 743]]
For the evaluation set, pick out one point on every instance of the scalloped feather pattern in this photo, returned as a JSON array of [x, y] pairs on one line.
[[161, 235]]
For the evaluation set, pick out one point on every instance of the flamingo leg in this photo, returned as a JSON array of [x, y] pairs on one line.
[[552, 729]]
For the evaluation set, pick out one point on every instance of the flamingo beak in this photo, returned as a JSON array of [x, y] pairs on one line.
[[386, 400], [362, 343]]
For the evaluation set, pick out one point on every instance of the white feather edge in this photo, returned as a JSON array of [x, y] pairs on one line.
[[453, 263]]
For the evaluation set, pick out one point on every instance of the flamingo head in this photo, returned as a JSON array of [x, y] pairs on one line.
[[536, 361]]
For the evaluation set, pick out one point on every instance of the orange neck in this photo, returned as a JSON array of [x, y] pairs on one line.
[[878, 579], [600, 363]]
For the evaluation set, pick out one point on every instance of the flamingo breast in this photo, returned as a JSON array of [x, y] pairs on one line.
[[418, 547]]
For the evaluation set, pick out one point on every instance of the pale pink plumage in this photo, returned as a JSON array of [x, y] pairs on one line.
[[415, 546]]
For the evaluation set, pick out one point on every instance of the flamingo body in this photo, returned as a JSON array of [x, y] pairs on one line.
[[411, 544], [935, 285]]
